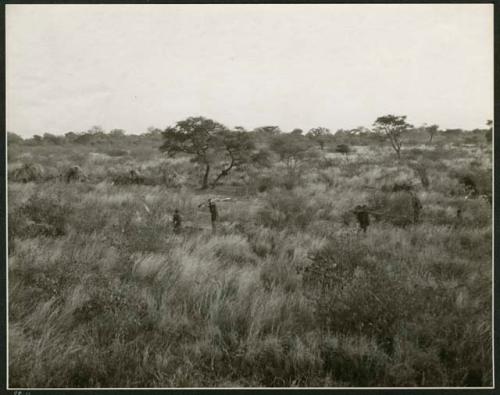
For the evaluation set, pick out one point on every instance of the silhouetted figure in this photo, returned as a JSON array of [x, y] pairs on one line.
[[177, 221], [458, 219], [213, 214], [362, 216], [417, 207]]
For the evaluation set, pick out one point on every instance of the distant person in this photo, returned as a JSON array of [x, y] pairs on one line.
[[177, 221], [213, 214], [363, 217], [417, 207], [459, 218]]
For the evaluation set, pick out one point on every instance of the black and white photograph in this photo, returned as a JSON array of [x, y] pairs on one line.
[[214, 196]]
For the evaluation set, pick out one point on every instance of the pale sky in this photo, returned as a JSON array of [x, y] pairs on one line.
[[69, 67]]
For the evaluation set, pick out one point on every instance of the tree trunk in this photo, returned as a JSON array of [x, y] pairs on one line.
[[223, 173], [396, 145], [205, 177]]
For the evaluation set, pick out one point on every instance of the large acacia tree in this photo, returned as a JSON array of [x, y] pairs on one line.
[[194, 136], [393, 127], [209, 143]]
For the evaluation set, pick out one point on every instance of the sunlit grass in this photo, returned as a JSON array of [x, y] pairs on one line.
[[118, 300]]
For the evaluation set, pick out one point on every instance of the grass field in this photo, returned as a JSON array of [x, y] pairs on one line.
[[288, 292]]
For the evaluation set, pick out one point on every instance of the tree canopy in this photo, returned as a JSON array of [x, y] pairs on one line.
[[319, 135], [13, 138], [392, 126], [210, 143], [431, 130], [194, 136], [237, 147]]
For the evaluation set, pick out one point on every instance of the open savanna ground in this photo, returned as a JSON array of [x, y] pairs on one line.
[[288, 291]]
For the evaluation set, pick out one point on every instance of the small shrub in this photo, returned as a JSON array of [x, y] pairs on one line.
[[234, 250], [398, 187], [327, 163], [39, 216], [353, 360], [27, 173], [286, 210], [421, 173], [476, 182], [265, 183], [115, 152], [396, 208], [128, 178], [332, 267], [343, 149]]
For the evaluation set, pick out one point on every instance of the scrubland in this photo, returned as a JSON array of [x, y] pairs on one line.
[[288, 292]]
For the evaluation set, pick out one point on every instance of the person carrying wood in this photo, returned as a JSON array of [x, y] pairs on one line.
[[213, 214], [212, 207]]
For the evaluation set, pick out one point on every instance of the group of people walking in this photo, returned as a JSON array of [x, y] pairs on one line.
[[214, 216], [362, 213]]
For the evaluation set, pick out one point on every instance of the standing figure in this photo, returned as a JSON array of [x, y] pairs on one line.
[[362, 216], [417, 207], [459, 217], [213, 214], [177, 221]]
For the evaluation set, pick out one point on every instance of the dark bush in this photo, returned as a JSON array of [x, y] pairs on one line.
[[265, 183], [343, 149]]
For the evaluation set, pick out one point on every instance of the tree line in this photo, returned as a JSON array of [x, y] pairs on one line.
[[390, 125], [219, 149]]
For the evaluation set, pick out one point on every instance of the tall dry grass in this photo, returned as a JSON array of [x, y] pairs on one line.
[[287, 293]]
